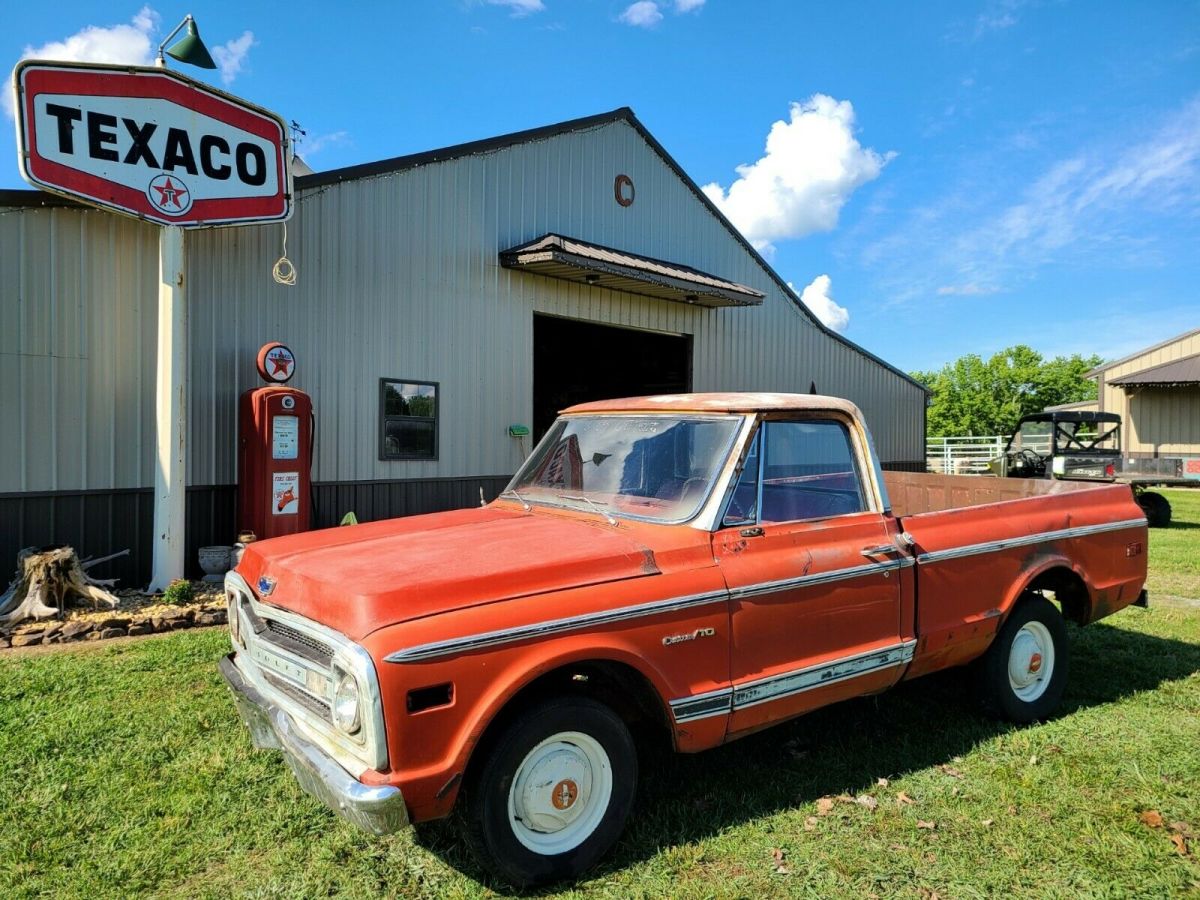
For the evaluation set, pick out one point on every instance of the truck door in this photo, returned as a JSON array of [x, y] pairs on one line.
[[812, 564]]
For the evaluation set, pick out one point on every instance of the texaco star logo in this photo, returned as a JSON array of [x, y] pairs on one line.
[[168, 194], [279, 364]]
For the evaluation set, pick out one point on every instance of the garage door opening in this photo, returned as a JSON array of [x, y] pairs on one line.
[[578, 361]]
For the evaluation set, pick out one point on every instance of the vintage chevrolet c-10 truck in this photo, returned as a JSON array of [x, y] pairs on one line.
[[689, 567]]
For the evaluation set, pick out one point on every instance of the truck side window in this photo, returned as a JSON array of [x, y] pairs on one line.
[[809, 471]]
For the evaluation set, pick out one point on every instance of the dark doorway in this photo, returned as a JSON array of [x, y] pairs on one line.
[[578, 361]]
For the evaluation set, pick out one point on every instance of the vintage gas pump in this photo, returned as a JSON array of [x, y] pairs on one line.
[[275, 443]]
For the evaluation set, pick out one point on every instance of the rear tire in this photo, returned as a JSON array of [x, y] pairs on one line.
[[1024, 673], [553, 794], [1156, 507]]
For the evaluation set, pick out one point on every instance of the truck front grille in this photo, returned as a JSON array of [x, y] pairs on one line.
[[298, 642]]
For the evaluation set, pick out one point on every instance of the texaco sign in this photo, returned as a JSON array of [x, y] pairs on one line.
[[150, 143]]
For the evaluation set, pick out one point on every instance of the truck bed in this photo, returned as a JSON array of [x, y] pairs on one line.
[[979, 542], [915, 493]]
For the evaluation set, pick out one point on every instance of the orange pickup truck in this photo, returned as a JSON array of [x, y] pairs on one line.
[[691, 568]]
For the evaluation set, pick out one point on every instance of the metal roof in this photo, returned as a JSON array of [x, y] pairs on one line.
[[571, 259], [717, 402], [1142, 352], [1178, 372]]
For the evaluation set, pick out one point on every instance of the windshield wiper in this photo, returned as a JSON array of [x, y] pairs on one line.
[[522, 500], [591, 503]]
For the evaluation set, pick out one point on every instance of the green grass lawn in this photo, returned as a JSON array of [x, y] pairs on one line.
[[127, 772], [1175, 551]]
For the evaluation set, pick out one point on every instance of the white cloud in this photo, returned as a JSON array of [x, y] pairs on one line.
[[816, 298], [230, 56], [970, 289], [519, 7], [1128, 202], [318, 142], [131, 44], [687, 6], [643, 14], [812, 165]]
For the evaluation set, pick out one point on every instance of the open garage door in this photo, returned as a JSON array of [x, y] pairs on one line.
[[577, 361]]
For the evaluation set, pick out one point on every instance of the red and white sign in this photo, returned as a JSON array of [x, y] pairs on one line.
[[150, 143], [276, 363]]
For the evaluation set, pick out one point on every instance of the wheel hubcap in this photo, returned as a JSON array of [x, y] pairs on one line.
[[1031, 661], [560, 793]]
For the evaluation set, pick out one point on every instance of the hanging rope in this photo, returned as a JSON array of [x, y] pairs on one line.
[[283, 271]]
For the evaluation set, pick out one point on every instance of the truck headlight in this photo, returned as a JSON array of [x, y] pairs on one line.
[[345, 701]]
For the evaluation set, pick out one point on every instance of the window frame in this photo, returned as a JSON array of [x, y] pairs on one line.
[[758, 440], [383, 420]]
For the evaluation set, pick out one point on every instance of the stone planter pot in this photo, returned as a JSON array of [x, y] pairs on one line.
[[215, 562]]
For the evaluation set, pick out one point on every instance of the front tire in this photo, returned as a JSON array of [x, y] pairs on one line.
[[1024, 673], [553, 794]]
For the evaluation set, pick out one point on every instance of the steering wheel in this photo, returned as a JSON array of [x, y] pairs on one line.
[[1033, 455]]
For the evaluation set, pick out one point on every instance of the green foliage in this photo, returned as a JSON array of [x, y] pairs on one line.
[[974, 396], [179, 592]]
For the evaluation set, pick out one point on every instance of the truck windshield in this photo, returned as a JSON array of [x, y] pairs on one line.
[[644, 466]]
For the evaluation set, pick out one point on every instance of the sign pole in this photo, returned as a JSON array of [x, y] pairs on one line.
[[170, 423]]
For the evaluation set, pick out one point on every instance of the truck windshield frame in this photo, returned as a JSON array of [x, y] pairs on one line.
[[659, 467]]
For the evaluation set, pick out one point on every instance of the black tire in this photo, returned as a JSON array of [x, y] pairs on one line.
[[1034, 619], [495, 838], [1156, 507]]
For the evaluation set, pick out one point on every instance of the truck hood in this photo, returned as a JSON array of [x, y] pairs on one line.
[[359, 578]]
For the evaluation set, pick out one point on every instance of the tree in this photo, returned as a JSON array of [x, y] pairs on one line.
[[972, 396]]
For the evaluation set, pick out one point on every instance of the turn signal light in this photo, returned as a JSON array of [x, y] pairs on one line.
[[1110, 470]]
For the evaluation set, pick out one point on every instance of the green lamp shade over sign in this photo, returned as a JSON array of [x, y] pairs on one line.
[[191, 50]]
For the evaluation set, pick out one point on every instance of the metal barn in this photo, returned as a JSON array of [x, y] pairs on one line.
[[501, 279]]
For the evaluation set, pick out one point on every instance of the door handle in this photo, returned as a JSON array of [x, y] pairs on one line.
[[881, 550]]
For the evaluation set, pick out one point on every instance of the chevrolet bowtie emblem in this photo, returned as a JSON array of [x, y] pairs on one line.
[[265, 585]]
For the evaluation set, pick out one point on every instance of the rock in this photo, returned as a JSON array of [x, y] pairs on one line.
[[27, 638], [55, 638], [140, 628], [92, 636], [52, 630], [114, 622], [216, 617], [5, 643], [74, 631], [106, 633]]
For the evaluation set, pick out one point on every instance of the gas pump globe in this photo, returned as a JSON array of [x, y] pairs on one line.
[[275, 444]]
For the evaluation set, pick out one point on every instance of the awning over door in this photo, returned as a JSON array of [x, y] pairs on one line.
[[556, 256], [1173, 374]]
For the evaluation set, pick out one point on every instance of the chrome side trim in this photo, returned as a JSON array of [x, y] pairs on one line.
[[434, 649], [786, 684], [1026, 540], [800, 680], [702, 706], [771, 587], [466, 644]]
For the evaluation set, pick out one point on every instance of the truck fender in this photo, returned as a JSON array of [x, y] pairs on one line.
[[550, 658], [1047, 567]]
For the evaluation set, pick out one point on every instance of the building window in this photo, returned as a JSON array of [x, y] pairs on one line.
[[408, 419]]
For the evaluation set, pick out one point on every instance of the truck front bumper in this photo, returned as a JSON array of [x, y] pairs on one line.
[[378, 809]]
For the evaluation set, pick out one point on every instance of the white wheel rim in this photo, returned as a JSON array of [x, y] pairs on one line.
[[559, 793], [1031, 661]]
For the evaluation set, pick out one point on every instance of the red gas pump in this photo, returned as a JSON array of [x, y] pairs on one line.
[[275, 443]]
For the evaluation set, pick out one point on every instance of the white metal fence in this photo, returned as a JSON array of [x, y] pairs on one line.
[[970, 455], [962, 455]]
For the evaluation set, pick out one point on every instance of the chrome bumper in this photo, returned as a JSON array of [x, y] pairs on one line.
[[377, 809]]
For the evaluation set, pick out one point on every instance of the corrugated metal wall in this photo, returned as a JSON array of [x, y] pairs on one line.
[[398, 277], [1157, 421]]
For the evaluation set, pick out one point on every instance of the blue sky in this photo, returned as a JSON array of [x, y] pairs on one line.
[[942, 178]]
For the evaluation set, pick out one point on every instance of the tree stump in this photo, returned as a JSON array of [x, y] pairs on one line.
[[46, 579]]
